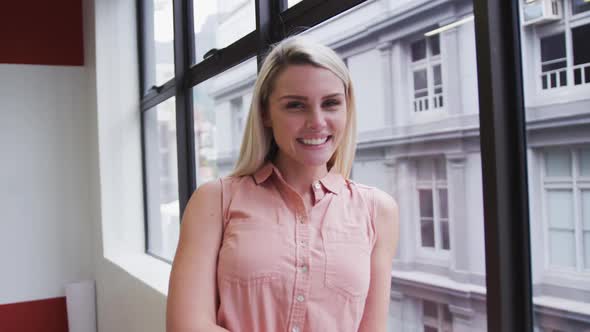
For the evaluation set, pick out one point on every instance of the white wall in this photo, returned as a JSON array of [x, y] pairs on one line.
[[45, 224], [131, 286]]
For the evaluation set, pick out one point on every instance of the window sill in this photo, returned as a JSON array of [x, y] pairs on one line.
[[153, 272], [559, 96], [572, 279], [560, 304]]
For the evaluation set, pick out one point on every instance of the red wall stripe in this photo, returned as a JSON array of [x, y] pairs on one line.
[[49, 315], [41, 32]]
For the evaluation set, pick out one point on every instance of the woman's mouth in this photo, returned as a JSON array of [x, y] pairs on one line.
[[314, 141]]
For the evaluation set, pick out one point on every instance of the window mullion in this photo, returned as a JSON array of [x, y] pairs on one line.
[[504, 166], [183, 54], [267, 28]]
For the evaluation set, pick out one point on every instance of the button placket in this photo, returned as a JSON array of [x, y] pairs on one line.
[[301, 287]]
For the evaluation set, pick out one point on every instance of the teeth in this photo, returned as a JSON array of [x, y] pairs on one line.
[[314, 141]]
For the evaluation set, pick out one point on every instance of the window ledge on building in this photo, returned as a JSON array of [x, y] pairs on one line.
[[439, 282], [564, 305]]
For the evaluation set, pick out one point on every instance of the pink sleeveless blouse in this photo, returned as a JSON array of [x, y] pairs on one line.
[[282, 268]]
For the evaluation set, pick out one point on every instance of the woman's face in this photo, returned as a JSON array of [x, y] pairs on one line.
[[307, 114]]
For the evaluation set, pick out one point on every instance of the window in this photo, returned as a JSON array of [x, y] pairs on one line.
[[426, 74], [214, 24], [161, 45], [565, 55], [161, 166], [553, 61], [202, 114], [436, 317], [581, 54], [567, 192], [580, 6], [433, 204]]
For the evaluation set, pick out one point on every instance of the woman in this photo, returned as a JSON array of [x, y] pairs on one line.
[[288, 242]]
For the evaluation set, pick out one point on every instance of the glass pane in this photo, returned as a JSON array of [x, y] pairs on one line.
[[429, 309], [441, 169], [587, 250], [553, 178], [558, 163], [162, 179], [442, 195], [444, 234], [563, 250], [159, 39], [427, 232], [585, 162], [553, 66], [389, 68], [426, 209], [217, 24], [553, 47], [420, 81], [437, 75], [220, 116], [560, 208], [586, 209], [580, 37], [580, 6], [434, 42], [419, 50]]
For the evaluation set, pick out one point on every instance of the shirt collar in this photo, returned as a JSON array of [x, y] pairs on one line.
[[333, 181]]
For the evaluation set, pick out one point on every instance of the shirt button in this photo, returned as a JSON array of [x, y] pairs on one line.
[[303, 268], [317, 185], [300, 298], [295, 329]]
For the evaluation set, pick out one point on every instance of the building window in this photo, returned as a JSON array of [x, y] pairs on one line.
[[565, 55], [436, 317], [581, 54], [433, 204], [553, 61], [426, 74], [580, 6], [567, 199]]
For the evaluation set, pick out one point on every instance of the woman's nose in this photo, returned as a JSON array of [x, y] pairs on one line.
[[315, 118]]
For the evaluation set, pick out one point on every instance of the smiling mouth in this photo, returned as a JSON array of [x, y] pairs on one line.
[[314, 141]]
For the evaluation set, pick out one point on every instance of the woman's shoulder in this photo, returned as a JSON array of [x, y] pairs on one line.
[[380, 200]]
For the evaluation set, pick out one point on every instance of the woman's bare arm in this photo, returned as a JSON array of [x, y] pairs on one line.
[[377, 302], [192, 293]]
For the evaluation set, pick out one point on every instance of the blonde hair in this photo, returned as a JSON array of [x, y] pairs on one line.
[[258, 145]]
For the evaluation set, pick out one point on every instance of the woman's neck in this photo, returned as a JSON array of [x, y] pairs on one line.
[[299, 177]]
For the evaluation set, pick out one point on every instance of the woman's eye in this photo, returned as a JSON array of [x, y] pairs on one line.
[[331, 103], [294, 105]]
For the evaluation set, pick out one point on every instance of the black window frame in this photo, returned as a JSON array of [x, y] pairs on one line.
[[502, 127]]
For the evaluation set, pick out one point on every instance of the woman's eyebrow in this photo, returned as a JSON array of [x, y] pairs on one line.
[[338, 94], [293, 97]]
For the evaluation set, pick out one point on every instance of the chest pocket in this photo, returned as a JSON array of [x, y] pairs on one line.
[[348, 257], [251, 251]]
